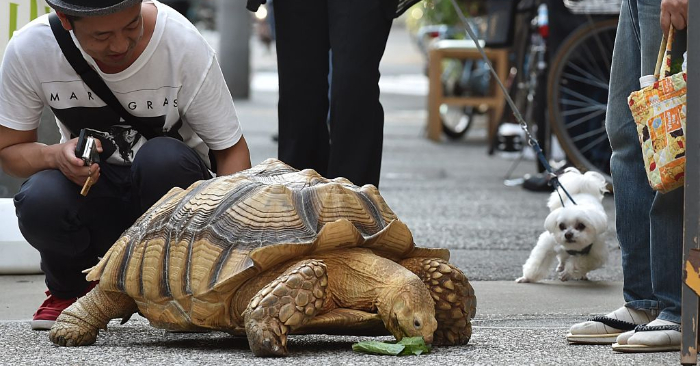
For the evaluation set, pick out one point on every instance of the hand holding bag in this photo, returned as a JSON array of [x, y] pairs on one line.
[[659, 111]]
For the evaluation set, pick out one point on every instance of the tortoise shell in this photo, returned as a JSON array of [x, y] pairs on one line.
[[183, 259]]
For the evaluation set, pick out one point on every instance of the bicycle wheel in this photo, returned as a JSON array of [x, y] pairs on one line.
[[578, 95]]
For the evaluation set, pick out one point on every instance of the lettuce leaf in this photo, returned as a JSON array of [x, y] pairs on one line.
[[407, 346]]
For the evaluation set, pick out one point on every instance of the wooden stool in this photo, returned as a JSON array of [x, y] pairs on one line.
[[464, 50]]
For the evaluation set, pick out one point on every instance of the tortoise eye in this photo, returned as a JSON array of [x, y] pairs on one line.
[[416, 323]]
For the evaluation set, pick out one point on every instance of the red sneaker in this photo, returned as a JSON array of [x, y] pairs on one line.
[[52, 307]]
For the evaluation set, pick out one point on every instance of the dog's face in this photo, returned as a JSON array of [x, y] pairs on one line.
[[576, 226]]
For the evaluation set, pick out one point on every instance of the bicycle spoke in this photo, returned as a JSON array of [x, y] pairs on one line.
[[596, 132], [596, 109], [579, 96], [586, 77], [584, 58], [589, 55], [591, 82], [594, 143], [601, 48], [585, 118], [574, 103]]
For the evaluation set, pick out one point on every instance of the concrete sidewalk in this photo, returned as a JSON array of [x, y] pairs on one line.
[[498, 301], [515, 324]]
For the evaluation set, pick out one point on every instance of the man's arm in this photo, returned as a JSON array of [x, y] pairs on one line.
[[232, 160], [21, 156], [20, 153]]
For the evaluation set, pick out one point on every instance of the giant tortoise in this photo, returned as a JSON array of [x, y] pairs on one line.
[[273, 251]]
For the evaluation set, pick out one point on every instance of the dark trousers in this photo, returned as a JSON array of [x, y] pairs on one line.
[[71, 231], [356, 31]]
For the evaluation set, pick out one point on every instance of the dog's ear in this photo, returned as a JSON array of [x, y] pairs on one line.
[[595, 182], [598, 219], [550, 223]]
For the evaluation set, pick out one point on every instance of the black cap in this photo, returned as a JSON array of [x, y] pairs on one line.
[[90, 8]]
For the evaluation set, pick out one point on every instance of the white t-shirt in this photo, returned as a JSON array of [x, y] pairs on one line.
[[176, 85]]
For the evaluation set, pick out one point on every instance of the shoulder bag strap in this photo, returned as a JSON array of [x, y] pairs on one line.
[[92, 79]]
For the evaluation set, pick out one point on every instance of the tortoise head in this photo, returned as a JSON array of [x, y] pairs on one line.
[[412, 313]]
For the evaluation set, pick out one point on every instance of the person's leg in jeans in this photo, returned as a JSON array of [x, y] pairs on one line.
[[633, 196], [636, 48], [357, 116], [647, 219], [301, 28], [66, 227], [161, 164], [69, 231], [649, 224]]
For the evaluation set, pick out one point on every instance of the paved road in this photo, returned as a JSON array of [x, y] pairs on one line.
[[451, 195]]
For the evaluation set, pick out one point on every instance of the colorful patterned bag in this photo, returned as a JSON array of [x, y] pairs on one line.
[[659, 111]]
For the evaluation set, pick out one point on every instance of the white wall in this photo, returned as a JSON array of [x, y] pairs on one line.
[[16, 13], [16, 255]]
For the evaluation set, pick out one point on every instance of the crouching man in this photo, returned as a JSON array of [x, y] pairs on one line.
[[164, 74]]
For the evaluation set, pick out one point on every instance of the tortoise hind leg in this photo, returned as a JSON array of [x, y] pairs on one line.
[[283, 305], [455, 303], [79, 323]]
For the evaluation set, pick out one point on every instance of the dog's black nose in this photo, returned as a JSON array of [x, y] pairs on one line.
[[568, 235]]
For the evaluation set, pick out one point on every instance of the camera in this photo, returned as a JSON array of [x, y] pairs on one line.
[[87, 147]]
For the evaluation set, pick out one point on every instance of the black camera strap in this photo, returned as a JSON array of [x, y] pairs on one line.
[[92, 79]]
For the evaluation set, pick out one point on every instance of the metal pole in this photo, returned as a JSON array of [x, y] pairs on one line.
[[691, 213], [233, 22]]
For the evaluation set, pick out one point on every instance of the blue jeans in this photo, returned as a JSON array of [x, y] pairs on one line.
[[649, 224], [71, 231]]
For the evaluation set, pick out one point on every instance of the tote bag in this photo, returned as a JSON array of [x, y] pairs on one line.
[[659, 110]]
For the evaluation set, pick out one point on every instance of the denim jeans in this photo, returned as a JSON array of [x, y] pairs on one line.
[[71, 231], [649, 224]]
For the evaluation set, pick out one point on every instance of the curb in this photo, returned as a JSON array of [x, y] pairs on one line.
[[16, 255]]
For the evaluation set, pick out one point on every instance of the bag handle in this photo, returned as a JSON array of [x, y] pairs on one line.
[[663, 61]]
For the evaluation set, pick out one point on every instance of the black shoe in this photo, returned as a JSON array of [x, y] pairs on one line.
[[538, 183]]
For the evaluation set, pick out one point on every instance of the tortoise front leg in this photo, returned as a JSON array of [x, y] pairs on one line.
[[455, 303], [283, 305], [79, 323]]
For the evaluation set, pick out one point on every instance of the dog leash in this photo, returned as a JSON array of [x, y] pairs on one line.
[[554, 181]]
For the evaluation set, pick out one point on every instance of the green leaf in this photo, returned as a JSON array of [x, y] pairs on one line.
[[414, 345], [380, 348], [407, 346]]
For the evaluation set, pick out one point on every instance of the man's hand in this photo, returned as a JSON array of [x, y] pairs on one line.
[[674, 12], [73, 167]]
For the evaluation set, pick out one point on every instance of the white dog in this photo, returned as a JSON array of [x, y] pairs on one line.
[[574, 232]]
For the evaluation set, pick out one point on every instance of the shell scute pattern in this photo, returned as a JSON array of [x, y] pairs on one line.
[[198, 245]]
